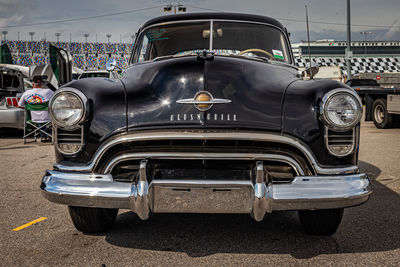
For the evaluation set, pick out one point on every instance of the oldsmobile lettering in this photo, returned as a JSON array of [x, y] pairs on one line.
[[198, 117]]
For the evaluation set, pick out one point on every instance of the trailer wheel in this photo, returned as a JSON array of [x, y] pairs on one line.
[[382, 119]]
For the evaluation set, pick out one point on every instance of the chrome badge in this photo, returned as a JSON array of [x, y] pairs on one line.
[[203, 101]]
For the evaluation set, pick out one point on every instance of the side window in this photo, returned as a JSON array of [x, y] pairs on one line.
[[144, 49]]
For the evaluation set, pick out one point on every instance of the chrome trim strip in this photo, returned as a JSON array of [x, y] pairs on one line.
[[211, 34], [56, 144], [326, 137], [210, 156], [190, 135], [304, 193]]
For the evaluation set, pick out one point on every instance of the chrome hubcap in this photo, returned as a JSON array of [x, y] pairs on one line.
[[379, 114]]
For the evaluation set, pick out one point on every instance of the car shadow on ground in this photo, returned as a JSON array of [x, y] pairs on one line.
[[11, 133], [371, 227]]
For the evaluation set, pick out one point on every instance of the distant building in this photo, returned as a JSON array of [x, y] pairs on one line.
[[331, 48], [368, 57]]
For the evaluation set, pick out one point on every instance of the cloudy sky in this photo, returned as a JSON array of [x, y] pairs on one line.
[[328, 17]]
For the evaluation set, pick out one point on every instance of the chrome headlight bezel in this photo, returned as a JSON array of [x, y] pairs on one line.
[[83, 101], [324, 113]]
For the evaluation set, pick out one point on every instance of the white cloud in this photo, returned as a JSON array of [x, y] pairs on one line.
[[12, 20], [394, 30]]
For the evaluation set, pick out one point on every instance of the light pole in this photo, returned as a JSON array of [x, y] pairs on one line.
[[4, 35], [86, 35], [133, 38], [348, 54], [31, 34], [57, 34], [108, 37], [365, 41], [168, 8]]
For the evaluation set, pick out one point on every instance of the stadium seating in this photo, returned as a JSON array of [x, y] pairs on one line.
[[358, 65]]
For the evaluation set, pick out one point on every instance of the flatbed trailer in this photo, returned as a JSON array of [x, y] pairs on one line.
[[382, 106]]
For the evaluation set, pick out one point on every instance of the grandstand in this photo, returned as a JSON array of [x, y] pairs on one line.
[[85, 55], [368, 57]]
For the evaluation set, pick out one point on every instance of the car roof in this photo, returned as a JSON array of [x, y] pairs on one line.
[[214, 15]]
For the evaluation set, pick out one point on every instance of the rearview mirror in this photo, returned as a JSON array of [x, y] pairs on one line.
[[217, 33]]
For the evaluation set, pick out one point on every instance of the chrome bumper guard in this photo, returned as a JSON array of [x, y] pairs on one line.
[[206, 196]]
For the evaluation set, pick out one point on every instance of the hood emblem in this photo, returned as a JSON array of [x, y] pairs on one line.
[[203, 101]]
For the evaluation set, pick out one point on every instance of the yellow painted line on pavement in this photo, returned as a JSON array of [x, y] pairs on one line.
[[29, 224]]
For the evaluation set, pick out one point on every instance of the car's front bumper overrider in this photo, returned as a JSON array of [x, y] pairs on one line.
[[206, 196]]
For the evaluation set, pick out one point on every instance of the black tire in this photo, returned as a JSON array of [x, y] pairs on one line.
[[382, 119], [396, 120], [320, 222], [92, 220]]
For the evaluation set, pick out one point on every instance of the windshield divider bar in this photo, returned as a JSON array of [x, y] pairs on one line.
[[211, 34]]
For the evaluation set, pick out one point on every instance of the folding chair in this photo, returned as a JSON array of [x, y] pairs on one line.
[[32, 129]]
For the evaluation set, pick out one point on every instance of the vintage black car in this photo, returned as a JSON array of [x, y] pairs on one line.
[[211, 116]]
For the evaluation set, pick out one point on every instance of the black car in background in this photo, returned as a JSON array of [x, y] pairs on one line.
[[211, 116]]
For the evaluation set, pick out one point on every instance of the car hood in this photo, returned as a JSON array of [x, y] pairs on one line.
[[254, 89]]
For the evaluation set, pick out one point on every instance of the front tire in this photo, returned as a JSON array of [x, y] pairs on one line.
[[321, 222], [382, 119], [92, 220]]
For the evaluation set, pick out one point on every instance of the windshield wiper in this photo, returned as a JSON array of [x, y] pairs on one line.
[[163, 57], [251, 58], [171, 56], [263, 58]]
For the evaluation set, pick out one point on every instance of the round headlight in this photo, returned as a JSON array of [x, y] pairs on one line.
[[67, 109], [341, 109]]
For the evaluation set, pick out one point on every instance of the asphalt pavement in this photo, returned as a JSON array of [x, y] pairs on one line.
[[369, 234]]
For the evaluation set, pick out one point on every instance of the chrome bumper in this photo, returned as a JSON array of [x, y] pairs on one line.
[[12, 118], [206, 196]]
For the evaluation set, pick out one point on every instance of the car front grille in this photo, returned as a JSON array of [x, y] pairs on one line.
[[67, 141], [127, 171], [340, 143]]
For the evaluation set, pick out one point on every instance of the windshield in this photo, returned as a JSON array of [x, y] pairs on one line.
[[228, 39]]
